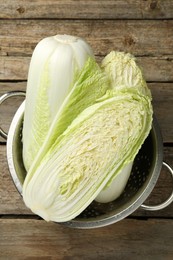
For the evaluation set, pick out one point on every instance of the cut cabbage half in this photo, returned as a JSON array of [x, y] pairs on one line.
[[90, 153]]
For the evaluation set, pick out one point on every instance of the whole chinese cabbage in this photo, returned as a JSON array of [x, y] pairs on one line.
[[55, 65]]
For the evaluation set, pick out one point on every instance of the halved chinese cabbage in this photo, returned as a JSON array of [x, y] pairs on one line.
[[98, 144]]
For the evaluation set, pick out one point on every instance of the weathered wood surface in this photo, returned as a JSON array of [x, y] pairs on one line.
[[162, 102], [143, 28], [155, 69], [142, 38], [129, 239], [90, 9]]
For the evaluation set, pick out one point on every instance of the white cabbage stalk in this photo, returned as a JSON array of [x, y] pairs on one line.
[[123, 72], [55, 64], [98, 144]]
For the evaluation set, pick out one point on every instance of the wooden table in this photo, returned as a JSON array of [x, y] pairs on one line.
[[143, 28]]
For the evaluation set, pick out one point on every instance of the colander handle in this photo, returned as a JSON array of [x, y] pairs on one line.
[[7, 95], [165, 203]]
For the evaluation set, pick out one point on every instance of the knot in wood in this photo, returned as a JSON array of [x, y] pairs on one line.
[[153, 5], [21, 10], [129, 40]]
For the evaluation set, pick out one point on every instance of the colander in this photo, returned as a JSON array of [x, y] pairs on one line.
[[145, 172]]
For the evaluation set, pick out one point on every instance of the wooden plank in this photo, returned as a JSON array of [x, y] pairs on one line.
[[14, 68], [128, 239], [162, 102], [87, 9], [158, 69], [10, 106], [11, 202], [142, 38], [163, 105]]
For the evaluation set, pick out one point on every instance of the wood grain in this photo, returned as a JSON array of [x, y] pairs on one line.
[[159, 69], [97, 9], [141, 38], [162, 103], [128, 239]]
